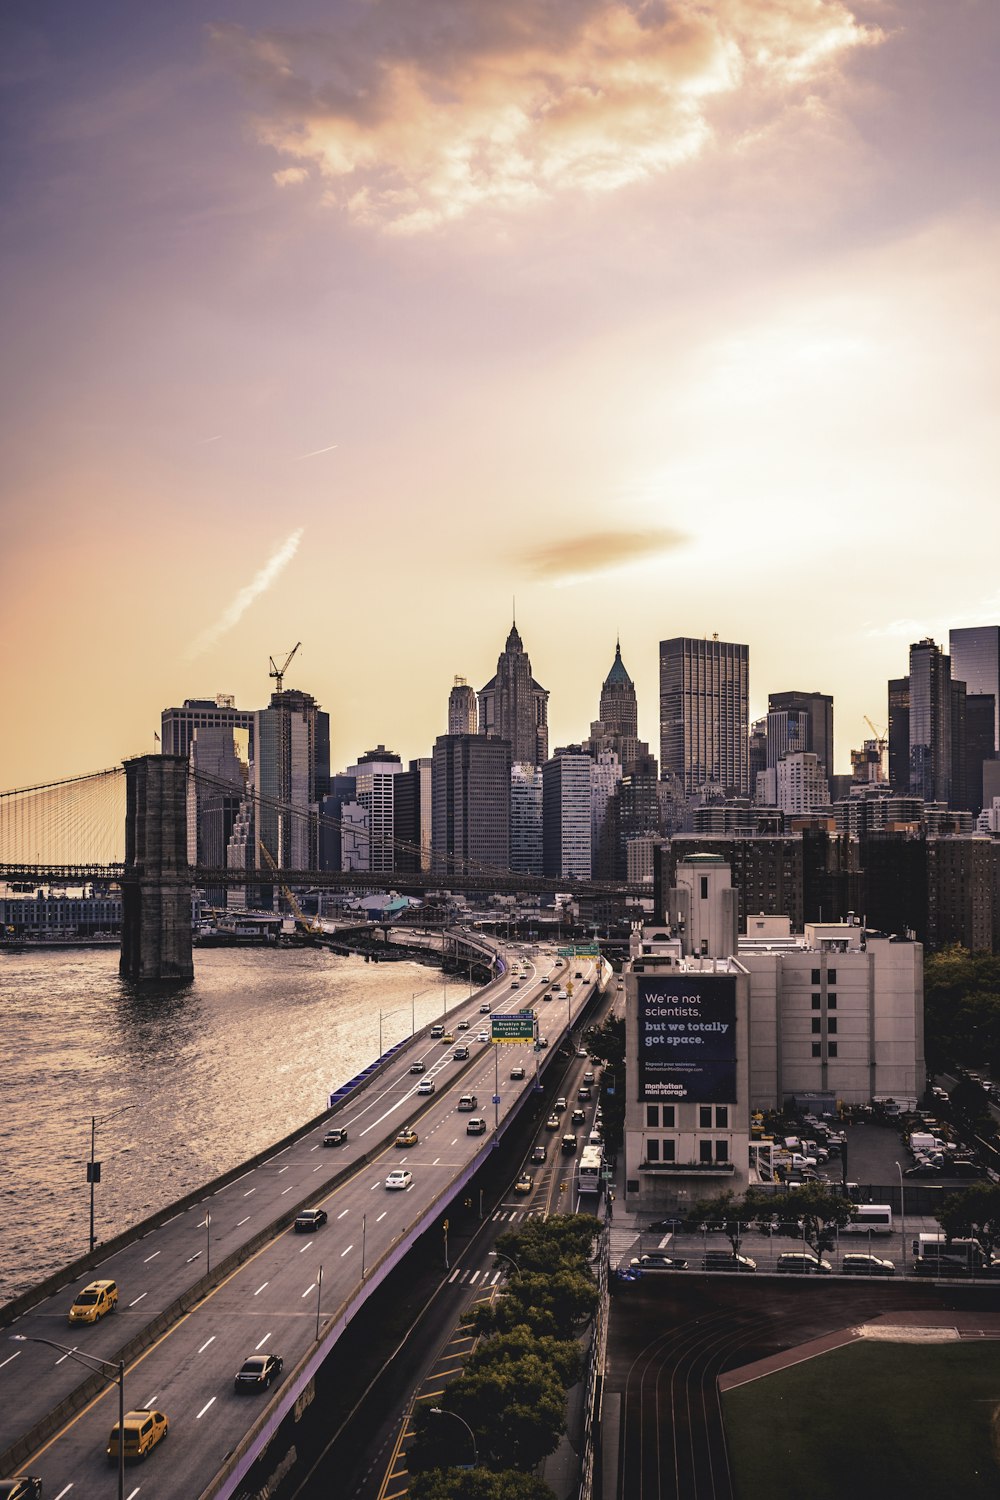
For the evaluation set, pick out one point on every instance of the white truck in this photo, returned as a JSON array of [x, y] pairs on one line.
[[922, 1140]]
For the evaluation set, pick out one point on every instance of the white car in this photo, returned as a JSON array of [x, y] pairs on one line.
[[482, 1036], [425, 1086], [399, 1180]]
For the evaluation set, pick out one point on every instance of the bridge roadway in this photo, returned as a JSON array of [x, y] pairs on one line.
[[272, 1300]]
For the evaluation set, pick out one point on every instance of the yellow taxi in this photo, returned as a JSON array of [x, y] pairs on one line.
[[448, 1037], [95, 1300], [407, 1136], [143, 1430]]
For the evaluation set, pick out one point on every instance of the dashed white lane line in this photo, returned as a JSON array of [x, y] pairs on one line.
[[319, 1168], [190, 1258], [307, 1246], [285, 1190], [202, 1224], [204, 1409], [169, 1221], [346, 1252], [381, 1216], [7, 1361], [282, 1169], [262, 1343], [455, 1141], [243, 1221], [150, 1401], [133, 1494], [151, 1257], [249, 1191], [64, 1491], [206, 1344], [375, 1185], [138, 1299], [261, 1288], [435, 1161], [314, 1148], [308, 1290], [241, 1179], [66, 1355], [341, 1215]]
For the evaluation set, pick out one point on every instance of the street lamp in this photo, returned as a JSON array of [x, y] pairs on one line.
[[440, 1411], [902, 1215], [502, 1255], [102, 1366], [94, 1167]]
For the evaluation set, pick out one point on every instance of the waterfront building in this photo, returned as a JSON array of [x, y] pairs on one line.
[[45, 915], [470, 803], [514, 707], [704, 714]]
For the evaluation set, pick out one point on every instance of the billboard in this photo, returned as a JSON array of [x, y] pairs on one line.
[[687, 1038], [513, 1026]]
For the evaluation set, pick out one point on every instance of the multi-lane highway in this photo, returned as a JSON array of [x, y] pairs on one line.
[[277, 1299]]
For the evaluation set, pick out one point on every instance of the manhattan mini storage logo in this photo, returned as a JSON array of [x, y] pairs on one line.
[[687, 1038]]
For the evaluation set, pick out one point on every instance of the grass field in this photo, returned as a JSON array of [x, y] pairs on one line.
[[871, 1422]]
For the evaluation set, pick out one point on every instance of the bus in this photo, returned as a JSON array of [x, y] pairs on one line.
[[589, 1170], [873, 1217]]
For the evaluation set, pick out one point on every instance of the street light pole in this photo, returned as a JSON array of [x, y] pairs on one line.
[[902, 1215], [102, 1366], [94, 1167], [208, 1242], [439, 1411]]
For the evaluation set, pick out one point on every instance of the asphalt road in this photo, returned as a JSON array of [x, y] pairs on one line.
[[271, 1302]]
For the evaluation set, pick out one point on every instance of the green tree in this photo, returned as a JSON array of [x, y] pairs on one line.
[[961, 1009], [606, 1045], [548, 1244], [732, 1213], [552, 1305], [815, 1212], [974, 1213], [564, 1356], [478, 1484]]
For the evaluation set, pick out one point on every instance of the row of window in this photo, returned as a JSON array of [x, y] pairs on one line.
[[831, 1002], [831, 1049], [831, 976], [667, 1151], [831, 1025], [664, 1116]]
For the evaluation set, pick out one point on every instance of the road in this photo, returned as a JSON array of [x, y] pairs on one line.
[[271, 1302]]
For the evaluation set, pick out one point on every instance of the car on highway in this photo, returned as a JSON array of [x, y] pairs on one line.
[[516, 1074], [524, 1183], [463, 1026], [802, 1263], [406, 1137], [143, 1430], [725, 1260], [94, 1302], [559, 1105], [867, 1265], [398, 1180], [485, 1008], [257, 1371], [26, 1487], [418, 1067], [547, 998], [578, 1117], [448, 1037], [584, 1092], [552, 1123], [569, 1145], [467, 1103], [437, 1031], [582, 1052], [482, 1036], [476, 1126], [309, 1220], [537, 1153], [335, 1137], [460, 1054], [657, 1261], [425, 1086], [542, 1043], [588, 1077]]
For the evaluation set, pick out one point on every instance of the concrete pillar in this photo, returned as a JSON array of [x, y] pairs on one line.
[[156, 885]]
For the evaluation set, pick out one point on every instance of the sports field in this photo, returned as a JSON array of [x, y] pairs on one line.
[[871, 1421]]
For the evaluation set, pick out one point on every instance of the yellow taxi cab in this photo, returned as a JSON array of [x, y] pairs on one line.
[[407, 1136], [524, 1183], [95, 1300], [143, 1430], [448, 1037]]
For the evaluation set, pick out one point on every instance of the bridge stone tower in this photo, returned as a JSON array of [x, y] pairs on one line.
[[156, 884]]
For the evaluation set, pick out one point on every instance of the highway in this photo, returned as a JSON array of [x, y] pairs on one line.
[[290, 1285]]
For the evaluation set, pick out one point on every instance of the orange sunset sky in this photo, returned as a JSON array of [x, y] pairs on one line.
[[349, 323]]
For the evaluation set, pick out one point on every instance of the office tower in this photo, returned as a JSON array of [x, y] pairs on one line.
[[374, 776], [704, 714], [930, 722], [470, 803], [801, 783], [216, 792], [619, 710], [412, 792], [526, 819], [463, 715], [980, 720], [899, 734], [178, 726], [787, 734], [975, 660], [335, 817], [291, 773], [959, 795], [605, 778], [816, 710], [566, 814], [513, 707], [758, 750]]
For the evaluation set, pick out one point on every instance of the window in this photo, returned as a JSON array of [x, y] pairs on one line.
[[816, 1024], [831, 1002], [815, 976], [669, 1149], [668, 1116], [815, 1002], [652, 1150], [722, 1150], [705, 1116], [831, 976], [831, 1026], [816, 1049], [831, 1050], [704, 887], [722, 1117], [652, 1115], [704, 1150]]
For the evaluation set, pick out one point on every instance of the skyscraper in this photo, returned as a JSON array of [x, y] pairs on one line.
[[930, 722], [412, 794], [374, 776], [178, 726], [470, 803], [619, 710], [566, 814], [526, 819], [291, 772], [899, 734], [462, 711], [704, 714], [514, 707], [815, 711], [975, 660]]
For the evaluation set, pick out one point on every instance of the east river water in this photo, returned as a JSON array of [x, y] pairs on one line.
[[195, 1078]]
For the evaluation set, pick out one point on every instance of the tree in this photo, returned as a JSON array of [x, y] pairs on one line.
[[732, 1214], [564, 1356], [974, 1213], [961, 1009], [564, 1240], [551, 1305], [606, 1044], [478, 1484], [516, 1409], [811, 1212]]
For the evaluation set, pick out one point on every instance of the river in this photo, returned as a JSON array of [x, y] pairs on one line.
[[194, 1078]]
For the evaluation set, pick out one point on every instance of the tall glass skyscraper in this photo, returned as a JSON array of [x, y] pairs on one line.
[[975, 660], [705, 714]]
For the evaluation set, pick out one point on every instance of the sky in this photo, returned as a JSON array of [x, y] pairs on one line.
[[367, 324]]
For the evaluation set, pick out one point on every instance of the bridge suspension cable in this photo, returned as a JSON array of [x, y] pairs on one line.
[[79, 820]]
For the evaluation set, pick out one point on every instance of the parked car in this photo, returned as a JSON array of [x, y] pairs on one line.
[[867, 1265], [657, 1261], [802, 1262], [94, 1302], [666, 1226], [725, 1260], [398, 1180], [257, 1371], [335, 1137], [309, 1220]]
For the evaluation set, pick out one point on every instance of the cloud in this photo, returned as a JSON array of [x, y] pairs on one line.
[[598, 552], [291, 176], [415, 116], [235, 611]]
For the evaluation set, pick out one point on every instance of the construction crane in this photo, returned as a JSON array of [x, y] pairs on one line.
[[881, 735], [311, 926], [278, 673]]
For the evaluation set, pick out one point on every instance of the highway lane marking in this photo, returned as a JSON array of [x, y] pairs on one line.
[[151, 1257], [381, 1216], [308, 1290], [261, 1288], [307, 1246], [65, 1490], [139, 1298], [249, 1191], [243, 1221], [319, 1168], [166, 1222], [435, 1161], [192, 1257], [206, 1344], [67, 1354], [9, 1358], [346, 1211], [205, 1409], [346, 1252], [239, 1179], [314, 1148], [282, 1193], [453, 1275], [282, 1169], [262, 1343], [375, 1185], [281, 1152], [202, 1224], [133, 1494], [474, 1277], [149, 1401]]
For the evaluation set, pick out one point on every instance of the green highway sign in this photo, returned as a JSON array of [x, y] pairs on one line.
[[513, 1026], [582, 950]]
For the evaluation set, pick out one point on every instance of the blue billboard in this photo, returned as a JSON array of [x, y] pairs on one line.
[[687, 1038]]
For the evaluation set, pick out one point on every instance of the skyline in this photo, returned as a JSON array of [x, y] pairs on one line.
[[353, 331]]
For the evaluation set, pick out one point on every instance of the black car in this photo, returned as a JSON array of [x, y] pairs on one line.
[[25, 1488], [665, 1226], [310, 1219], [257, 1372], [417, 1067], [335, 1137]]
